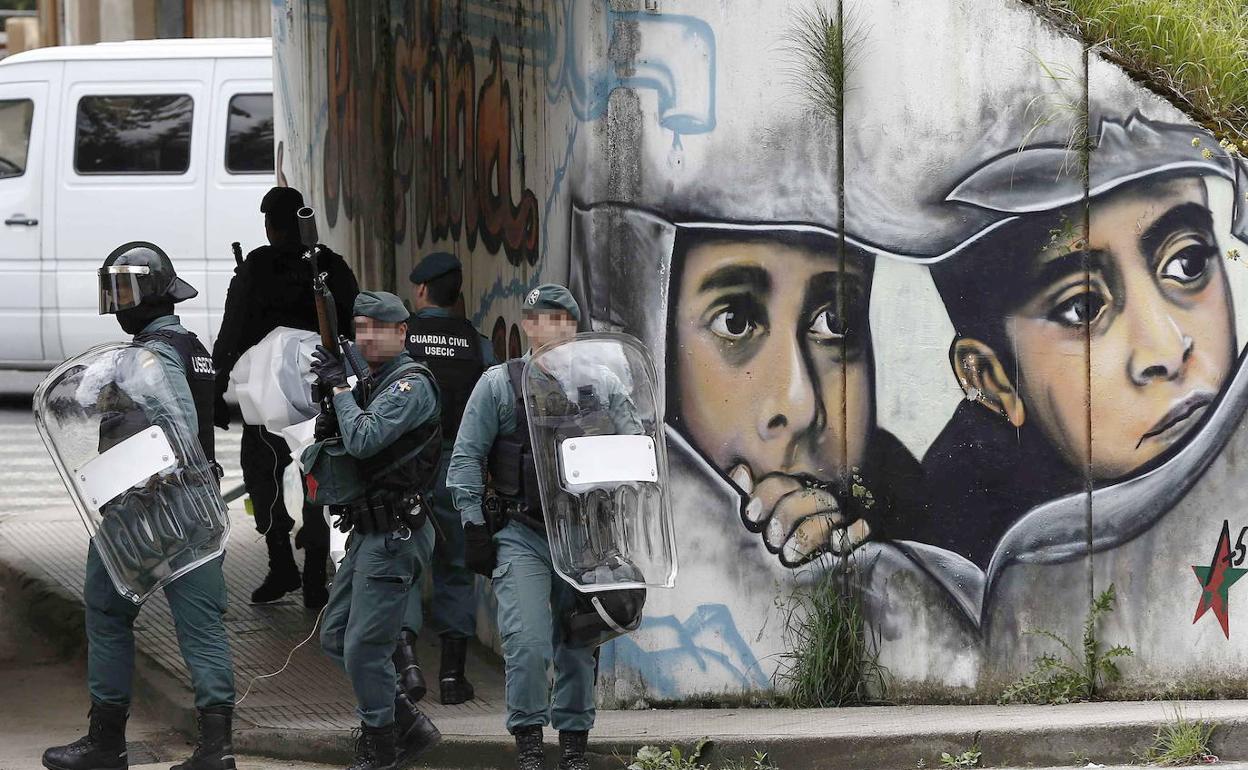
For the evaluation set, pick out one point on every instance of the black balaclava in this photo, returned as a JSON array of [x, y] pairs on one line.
[[134, 320]]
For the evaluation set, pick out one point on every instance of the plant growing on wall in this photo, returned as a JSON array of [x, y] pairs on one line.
[[1080, 674], [833, 657]]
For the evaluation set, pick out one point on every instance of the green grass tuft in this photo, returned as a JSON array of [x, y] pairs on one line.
[[825, 42], [1195, 51], [833, 658], [1181, 741]]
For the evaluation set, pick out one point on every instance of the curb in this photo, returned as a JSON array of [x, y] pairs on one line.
[[1001, 748]]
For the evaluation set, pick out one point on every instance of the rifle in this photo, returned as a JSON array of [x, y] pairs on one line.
[[326, 308], [238, 253]]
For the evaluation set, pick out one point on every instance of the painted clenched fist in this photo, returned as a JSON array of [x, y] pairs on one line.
[[798, 521]]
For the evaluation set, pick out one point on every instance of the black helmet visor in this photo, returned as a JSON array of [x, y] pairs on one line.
[[119, 287]]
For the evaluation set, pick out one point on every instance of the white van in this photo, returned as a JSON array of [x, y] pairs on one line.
[[168, 141]]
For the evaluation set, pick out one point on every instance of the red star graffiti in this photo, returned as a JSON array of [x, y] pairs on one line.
[[1216, 579]]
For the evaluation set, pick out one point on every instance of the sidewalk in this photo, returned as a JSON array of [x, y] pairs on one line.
[[306, 712]]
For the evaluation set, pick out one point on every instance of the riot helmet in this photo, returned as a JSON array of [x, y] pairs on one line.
[[139, 272], [598, 617]]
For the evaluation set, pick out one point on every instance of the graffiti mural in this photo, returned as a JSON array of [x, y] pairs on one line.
[[1018, 364], [454, 144], [1080, 333]]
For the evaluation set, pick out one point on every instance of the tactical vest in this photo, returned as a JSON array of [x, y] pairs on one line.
[[451, 348], [200, 377], [513, 471], [409, 465]]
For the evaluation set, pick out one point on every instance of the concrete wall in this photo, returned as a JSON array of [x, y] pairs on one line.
[[1005, 360], [83, 22], [231, 18]]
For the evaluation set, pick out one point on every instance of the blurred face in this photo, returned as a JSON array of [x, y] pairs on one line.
[[379, 341], [1156, 308], [767, 365], [544, 327]]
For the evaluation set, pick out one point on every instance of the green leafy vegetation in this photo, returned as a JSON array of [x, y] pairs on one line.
[[674, 758], [1078, 675], [1181, 741], [1193, 51], [833, 658], [968, 758]]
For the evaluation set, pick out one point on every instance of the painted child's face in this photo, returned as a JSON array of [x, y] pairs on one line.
[[772, 378], [1154, 310]]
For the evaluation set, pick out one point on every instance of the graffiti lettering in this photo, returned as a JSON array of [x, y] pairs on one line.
[[453, 146]]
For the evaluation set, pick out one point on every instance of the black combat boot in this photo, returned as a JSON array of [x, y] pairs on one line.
[[102, 748], [406, 663], [454, 685], [315, 594], [529, 752], [572, 750], [415, 733], [374, 749], [214, 749], [283, 574]]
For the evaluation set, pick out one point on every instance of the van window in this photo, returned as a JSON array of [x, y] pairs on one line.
[[138, 134], [15, 117], [249, 135]]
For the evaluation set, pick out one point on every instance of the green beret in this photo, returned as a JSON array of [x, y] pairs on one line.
[[552, 296], [381, 305], [435, 265]]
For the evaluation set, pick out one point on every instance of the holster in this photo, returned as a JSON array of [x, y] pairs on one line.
[[381, 515], [500, 510]]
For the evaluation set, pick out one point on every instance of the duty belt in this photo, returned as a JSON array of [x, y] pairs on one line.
[[381, 515], [500, 510]]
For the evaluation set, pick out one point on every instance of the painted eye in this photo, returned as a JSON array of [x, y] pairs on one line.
[[1188, 265], [1079, 310], [732, 324], [826, 327]]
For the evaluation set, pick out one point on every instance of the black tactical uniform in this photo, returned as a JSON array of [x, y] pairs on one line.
[[272, 288]]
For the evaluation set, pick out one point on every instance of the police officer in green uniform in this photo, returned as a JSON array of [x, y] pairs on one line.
[[457, 354], [391, 433], [530, 595], [197, 600]]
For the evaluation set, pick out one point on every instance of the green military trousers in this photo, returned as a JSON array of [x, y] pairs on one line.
[[531, 596], [197, 603], [365, 613]]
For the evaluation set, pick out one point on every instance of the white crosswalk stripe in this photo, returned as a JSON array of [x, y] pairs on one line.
[[29, 481]]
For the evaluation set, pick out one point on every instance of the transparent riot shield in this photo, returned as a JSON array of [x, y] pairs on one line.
[[131, 460], [596, 424]]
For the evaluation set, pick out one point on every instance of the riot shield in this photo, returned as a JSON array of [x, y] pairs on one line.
[[596, 424], [131, 460]]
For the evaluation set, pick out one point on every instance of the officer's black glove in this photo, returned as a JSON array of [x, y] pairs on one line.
[[328, 368], [326, 426], [221, 412], [479, 554]]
